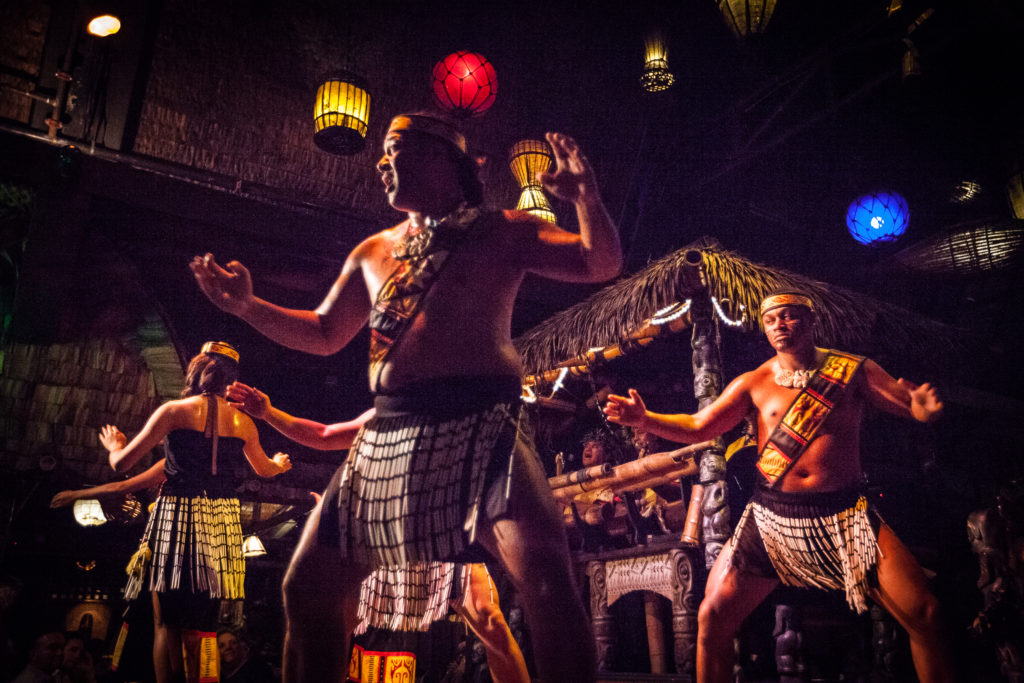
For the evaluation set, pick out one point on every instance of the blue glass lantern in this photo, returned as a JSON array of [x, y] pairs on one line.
[[878, 217]]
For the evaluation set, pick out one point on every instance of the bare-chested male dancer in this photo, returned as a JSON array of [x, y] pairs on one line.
[[807, 525], [445, 463]]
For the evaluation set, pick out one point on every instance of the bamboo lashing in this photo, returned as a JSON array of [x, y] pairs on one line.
[[577, 476]]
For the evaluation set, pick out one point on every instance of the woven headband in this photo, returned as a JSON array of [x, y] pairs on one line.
[[428, 126], [222, 349], [778, 300]]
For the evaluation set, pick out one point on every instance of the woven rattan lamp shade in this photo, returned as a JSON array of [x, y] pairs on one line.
[[341, 113], [971, 249], [527, 158], [747, 17]]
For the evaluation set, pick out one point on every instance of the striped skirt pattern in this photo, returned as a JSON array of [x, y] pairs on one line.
[[412, 487], [408, 598], [809, 548], [196, 546]]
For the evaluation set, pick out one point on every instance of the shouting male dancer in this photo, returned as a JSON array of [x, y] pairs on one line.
[[445, 464], [807, 525]]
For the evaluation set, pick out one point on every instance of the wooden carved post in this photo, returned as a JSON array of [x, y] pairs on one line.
[[600, 617], [655, 633], [789, 639], [685, 602], [707, 385]]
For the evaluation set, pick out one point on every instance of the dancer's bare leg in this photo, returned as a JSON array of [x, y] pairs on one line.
[[482, 614], [321, 602], [729, 598], [161, 645], [532, 546], [903, 591]]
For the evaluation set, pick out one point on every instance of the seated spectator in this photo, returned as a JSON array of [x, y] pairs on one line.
[[77, 664], [44, 658], [237, 665], [597, 505]]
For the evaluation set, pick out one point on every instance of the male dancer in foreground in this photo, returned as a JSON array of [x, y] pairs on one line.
[[445, 463], [475, 600], [807, 525]]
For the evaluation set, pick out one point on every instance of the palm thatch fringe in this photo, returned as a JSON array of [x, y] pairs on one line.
[[846, 319]]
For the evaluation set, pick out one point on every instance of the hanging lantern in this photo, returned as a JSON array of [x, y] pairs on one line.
[[656, 76], [252, 546], [465, 83], [747, 17], [341, 113], [971, 249], [104, 25], [527, 158], [878, 217], [89, 512]]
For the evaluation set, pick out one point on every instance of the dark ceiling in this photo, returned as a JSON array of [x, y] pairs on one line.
[[761, 143]]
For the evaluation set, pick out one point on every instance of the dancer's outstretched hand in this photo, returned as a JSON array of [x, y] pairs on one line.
[[228, 287], [282, 461], [250, 399], [629, 411], [925, 404], [64, 498], [572, 178], [112, 438]]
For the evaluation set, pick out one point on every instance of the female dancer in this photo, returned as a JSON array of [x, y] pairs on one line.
[[194, 534]]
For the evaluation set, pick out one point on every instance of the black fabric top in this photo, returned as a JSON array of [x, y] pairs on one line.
[[189, 463]]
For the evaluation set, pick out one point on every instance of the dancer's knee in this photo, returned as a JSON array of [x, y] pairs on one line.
[[925, 616], [546, 581], [713, 623]]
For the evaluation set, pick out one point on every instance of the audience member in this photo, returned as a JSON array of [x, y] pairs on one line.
[[44, 658], [77, 665], [237, 662]]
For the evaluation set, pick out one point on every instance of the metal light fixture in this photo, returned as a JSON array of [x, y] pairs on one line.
[[656, 76], [341, 113], [253, 546], [89, 512], [527, 158], [747, 17]]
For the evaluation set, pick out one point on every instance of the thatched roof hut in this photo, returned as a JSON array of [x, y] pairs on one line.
[[846, 319]]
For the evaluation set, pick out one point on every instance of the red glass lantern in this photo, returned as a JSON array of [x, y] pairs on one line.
[[465, 83]]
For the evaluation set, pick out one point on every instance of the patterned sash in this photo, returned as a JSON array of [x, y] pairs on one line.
[[806, 414], [399, 299]]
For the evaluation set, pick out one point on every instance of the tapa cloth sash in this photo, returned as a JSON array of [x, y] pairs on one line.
[[806, 414], [399, 298]]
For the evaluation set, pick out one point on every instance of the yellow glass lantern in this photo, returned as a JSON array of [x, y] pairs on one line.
[[656, 76], [341, 113], [526, 158], [747, 17]]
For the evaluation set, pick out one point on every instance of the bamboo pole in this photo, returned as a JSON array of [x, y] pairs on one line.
[[636, 474]]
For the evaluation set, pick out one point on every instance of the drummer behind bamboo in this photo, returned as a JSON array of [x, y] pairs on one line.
[[809, 403]]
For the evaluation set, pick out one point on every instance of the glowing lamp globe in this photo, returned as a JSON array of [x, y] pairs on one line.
[[878, 217], [465, 83], [89, 512]]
